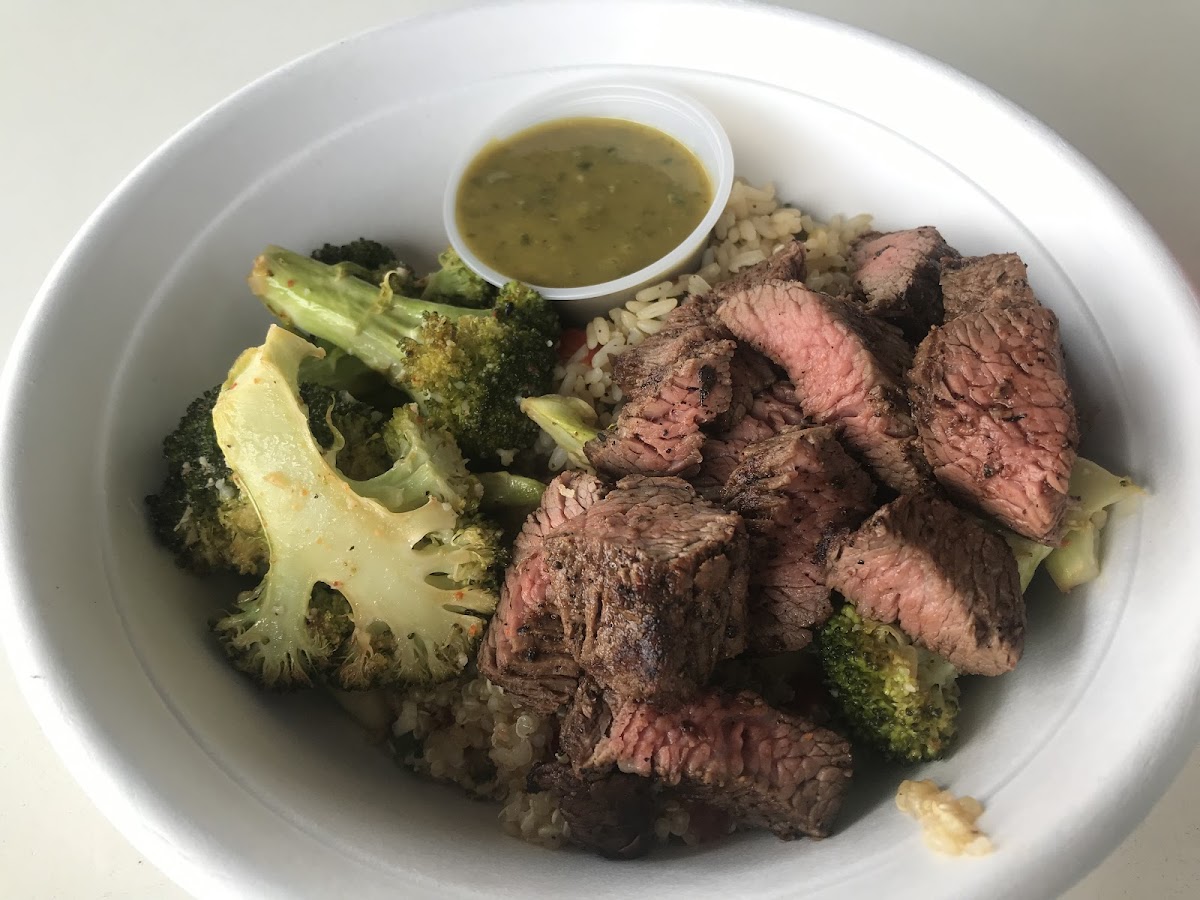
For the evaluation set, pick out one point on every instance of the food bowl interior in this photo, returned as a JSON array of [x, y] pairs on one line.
[[233, 790]]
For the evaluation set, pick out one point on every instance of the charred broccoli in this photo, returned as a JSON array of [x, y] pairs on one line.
[[367, 259], [369, 583], [467, 369], [200, 512], [895, 696], [456, 284]]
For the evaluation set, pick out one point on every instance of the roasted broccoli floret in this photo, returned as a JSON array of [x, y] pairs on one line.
[[425, 462], [200, 512], [363, 252], [369, 583], [456, 284], [367, 258], [893, 695], [570, 421], [467, 369]]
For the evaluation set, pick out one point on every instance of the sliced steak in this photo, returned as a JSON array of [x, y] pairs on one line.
[[774, 408], [611, 814], [524, 651], [793, 491], [750, 373], [974, 283], [676, 381], [847, 368], [996, 418], [651, 583], [587, 720], [687, 332], [766, 768], [898, 275], [949, 582], [785, 264]]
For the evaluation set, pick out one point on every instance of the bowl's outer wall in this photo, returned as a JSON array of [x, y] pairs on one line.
[[151, 294]]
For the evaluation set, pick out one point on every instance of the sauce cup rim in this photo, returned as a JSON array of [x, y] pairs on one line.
[[547, 106]]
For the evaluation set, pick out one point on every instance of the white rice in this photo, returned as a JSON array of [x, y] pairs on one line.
[[753, 226]]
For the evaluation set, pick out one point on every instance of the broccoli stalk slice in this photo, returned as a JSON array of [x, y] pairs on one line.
[[504, 490], [1094, 489], [412, 580], [570, 421], [199, 512], [1029, 554], [1077, 561]]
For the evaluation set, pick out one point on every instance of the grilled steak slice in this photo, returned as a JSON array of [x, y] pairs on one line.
[[785, 264], [766, 768], [694, 324], [612, 814], [587, 720], [750, 373], [975, 283], [949, 582], [793, 491], [687, 332], [996, 418], [847, 368], [524, 651], [676, 381], [898, 275], [773, 409], [651, 584]]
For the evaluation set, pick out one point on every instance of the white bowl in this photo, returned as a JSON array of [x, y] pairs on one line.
[[670, 111], [234, 793]]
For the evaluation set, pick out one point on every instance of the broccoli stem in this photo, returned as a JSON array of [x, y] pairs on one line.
[[1029, 554], [505, 490], [1077, 561], [332, 304], [1094, 489], [569, 420]]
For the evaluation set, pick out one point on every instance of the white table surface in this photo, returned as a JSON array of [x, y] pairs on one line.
[[87, 89]]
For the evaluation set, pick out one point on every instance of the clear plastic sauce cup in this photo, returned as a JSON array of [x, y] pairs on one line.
[[675, 114]]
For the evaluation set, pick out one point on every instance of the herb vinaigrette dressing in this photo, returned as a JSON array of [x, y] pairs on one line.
[[580, 201]]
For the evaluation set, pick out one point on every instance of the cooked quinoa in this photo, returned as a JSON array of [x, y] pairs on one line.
[[468, 732]]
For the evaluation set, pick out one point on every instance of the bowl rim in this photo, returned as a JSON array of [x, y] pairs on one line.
[[97, 765], [525, 114]]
